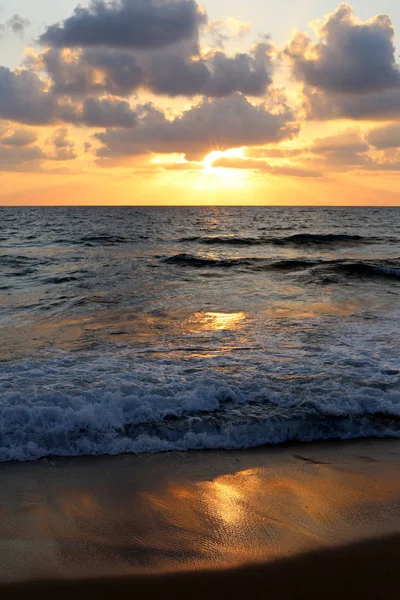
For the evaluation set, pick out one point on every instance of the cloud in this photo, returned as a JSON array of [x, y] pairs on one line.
[[97, 71], [138, 24], [16, 24], [63, 148], [14, 158], [213, 124], [222, 30], [249, 74], [116, 68], [378, 106], [351, 150], [345, 142], [388, 166], [351, 56], [263, 166], [108, 113], [273, 152], [24, 98], [385, 137], [17, 152], [215, 76], [19, 138], [351, 71], [347, 148], [93, 71]]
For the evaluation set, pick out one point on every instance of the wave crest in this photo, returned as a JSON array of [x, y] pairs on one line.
[[300, 239]]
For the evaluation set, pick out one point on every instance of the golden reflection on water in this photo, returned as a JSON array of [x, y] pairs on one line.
[[217, 321], [310, 310]]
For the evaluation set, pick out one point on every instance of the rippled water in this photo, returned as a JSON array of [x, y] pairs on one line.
[[150, 329]]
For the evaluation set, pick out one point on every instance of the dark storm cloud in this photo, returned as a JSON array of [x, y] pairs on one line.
[[213, 124], [139, 24], [350, 57]]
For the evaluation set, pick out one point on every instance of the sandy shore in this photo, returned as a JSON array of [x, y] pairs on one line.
[[316, 520]]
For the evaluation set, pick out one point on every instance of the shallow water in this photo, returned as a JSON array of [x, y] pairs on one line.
[[151, 329]]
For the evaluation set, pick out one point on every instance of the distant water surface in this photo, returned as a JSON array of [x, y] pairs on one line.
[[154, 329]]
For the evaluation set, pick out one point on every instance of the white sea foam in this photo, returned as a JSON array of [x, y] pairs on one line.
[[112, 402]]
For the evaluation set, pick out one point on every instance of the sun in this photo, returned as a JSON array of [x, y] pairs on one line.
[[213, 177], [215, 155]]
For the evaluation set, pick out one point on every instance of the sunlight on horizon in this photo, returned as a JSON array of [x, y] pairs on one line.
[[215, 155]]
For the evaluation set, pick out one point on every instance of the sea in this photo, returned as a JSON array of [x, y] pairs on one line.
[[131, 330]]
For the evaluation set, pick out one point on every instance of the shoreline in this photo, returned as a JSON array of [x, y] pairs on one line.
[[313, 444], [141, 521], [366, 570]]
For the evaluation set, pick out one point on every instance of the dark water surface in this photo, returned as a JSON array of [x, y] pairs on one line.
[[152, 329]]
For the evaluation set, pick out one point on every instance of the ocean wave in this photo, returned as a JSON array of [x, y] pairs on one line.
[[301, 239], [369, 269], [373, 269], [59, 280], [94, 241], [330, 238], [225, 240], [190, 260], [74, 405], [12, 261], [250, 263]]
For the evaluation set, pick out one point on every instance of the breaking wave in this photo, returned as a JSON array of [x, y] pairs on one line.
[[76, 405]]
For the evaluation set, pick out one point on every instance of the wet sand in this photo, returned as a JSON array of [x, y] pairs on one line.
[[316, 520], [367, 570]]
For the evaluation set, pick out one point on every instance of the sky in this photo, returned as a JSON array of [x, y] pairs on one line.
[[181, 102]]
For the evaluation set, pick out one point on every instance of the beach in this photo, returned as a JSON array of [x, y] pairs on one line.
[[294, 521]]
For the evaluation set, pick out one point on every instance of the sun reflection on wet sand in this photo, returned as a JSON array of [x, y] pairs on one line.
[[164, 514]]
